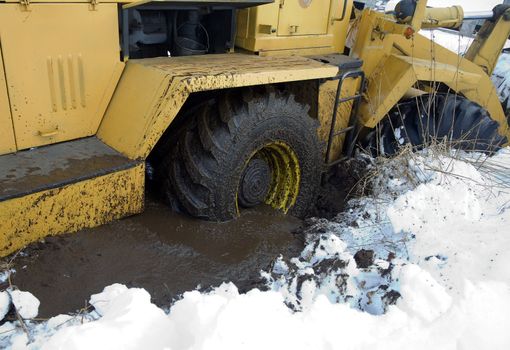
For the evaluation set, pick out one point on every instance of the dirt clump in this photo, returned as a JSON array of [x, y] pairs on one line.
[[364, 258], [340, 183]]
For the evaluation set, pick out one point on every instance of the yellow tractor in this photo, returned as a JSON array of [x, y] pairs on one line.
[[224, 104]]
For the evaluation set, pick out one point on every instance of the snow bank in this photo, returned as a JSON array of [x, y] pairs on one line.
[[433, 273], [129, 321], [444, 221]]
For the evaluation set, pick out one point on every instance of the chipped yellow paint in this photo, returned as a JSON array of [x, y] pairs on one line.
[[70, 208], [152, 91]]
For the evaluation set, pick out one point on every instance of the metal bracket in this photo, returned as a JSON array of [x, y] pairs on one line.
[[94, 5], [25, 5], [266, 29]]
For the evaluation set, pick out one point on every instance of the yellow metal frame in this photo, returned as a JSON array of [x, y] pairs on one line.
[[486, 48], [394, 63]]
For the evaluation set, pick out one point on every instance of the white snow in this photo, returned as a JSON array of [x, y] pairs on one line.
[[129, 321], [423, 296], [102, 301], [4, 275], [5, 304], [398, 135], [25, 303]]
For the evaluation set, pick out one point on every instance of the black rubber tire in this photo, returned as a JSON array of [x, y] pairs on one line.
[[203, 170], [432, 118]]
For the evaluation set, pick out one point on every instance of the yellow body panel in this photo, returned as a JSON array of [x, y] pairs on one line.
[[315, 44], [292, 25], [70, 208], [152, 91], [7, 142], [61, 66], [303, 17]]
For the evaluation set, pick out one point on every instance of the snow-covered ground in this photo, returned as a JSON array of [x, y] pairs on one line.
[[433, 273]]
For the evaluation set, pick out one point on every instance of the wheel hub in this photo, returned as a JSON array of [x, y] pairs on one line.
[[255, 183]]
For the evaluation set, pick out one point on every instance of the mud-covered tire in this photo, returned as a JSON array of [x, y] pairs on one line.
[[432, 118], [202, 172]]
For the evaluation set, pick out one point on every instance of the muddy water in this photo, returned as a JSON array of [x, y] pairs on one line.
[[161, 251]]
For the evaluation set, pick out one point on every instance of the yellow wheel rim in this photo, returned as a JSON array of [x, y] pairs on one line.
[[285, 174]]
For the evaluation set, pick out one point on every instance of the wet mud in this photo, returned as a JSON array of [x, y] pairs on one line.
[[339, 184], [159, 250]]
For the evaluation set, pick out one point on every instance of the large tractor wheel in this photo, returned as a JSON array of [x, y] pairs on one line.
[[244, 150], [431, 118]]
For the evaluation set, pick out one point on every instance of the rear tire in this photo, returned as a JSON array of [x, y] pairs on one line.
[[261, 147], [432, 118]]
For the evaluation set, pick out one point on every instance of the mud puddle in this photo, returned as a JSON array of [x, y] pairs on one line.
[[161, 251]]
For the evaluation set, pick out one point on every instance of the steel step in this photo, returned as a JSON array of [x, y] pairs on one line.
[[65, 187]]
